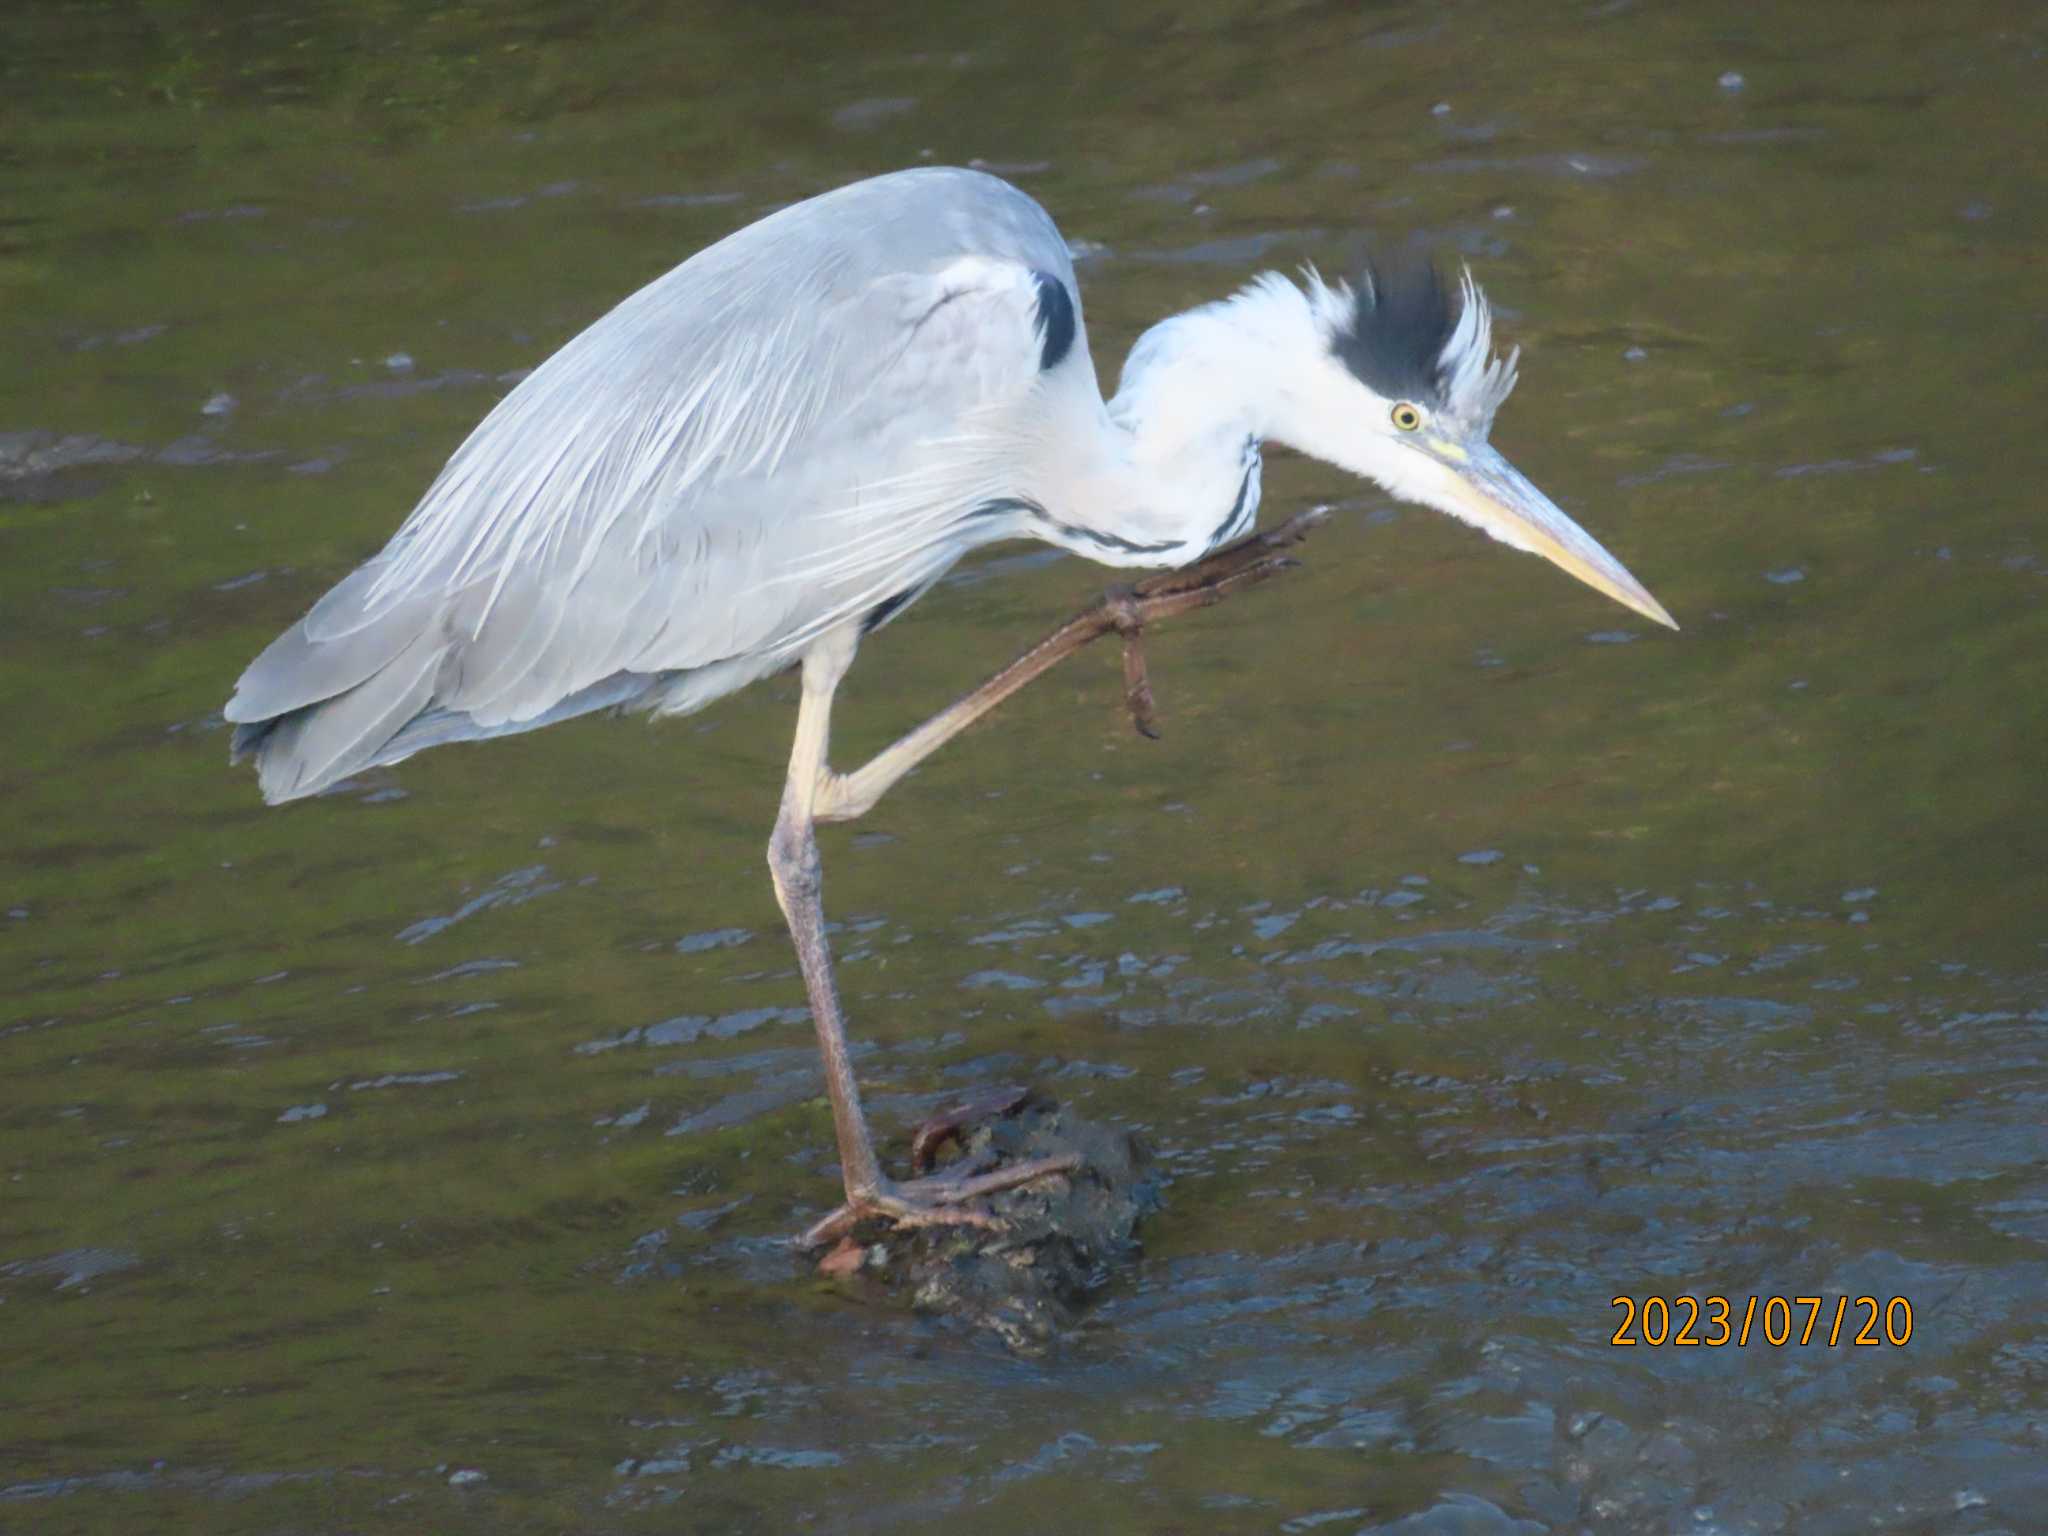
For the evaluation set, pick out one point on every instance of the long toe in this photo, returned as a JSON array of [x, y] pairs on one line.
[[941, 1199]]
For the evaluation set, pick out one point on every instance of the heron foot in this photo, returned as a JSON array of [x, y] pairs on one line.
[[936, 1200], [1127, 610]]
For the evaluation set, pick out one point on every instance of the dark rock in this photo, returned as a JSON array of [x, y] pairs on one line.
[[1060, 1241]]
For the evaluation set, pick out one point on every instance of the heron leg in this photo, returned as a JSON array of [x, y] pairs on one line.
[[1126, 612], [794, 864], [814, 793]]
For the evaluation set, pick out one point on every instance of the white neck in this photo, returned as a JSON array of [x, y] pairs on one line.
[[1171, 467], [1231, 367]]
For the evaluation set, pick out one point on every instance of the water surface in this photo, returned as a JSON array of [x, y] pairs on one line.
[[418, 1158]]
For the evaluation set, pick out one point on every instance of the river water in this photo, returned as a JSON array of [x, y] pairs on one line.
[[1470, 953]]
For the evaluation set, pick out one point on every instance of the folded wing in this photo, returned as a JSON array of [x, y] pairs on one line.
[[772, 440]]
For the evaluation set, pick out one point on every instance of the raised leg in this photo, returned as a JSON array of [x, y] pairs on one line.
[[843, 796]]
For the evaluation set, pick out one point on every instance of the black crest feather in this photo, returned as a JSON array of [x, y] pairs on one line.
[[1402, 318]]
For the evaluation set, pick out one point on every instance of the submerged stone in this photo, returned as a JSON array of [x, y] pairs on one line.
[[1060, 1242]]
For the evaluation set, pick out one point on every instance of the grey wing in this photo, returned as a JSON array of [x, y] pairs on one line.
[[779, 436]]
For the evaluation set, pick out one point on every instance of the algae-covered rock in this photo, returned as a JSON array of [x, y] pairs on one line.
[[1058, 1241]]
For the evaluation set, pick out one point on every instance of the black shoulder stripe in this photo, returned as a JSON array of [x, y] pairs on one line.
[[1055, 320], [1005, 505], [1112, 541]]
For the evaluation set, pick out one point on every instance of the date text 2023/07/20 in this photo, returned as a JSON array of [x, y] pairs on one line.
[[1712, 1322]]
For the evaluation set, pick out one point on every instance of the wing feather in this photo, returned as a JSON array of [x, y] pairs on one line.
[[776, 437]]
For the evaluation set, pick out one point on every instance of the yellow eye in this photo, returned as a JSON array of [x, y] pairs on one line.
[[1406, 417]]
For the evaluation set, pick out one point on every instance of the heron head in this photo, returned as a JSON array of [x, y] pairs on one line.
[[1403, 391]]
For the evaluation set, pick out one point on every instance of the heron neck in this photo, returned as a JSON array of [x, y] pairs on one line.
[[1178, 463], [1169, 467], [1205, 377]]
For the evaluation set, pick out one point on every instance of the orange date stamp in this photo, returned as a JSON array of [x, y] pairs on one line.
[[1713, 1322]]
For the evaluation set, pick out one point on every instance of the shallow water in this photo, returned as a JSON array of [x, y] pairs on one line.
[[1470, 954]]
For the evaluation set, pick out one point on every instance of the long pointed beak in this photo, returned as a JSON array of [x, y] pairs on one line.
[[1486, 490]]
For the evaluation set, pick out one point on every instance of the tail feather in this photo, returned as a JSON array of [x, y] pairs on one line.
[[353, 684], [304, 750], [315, 660]]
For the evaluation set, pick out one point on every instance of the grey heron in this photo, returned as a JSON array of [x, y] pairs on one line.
[[763, 455]]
